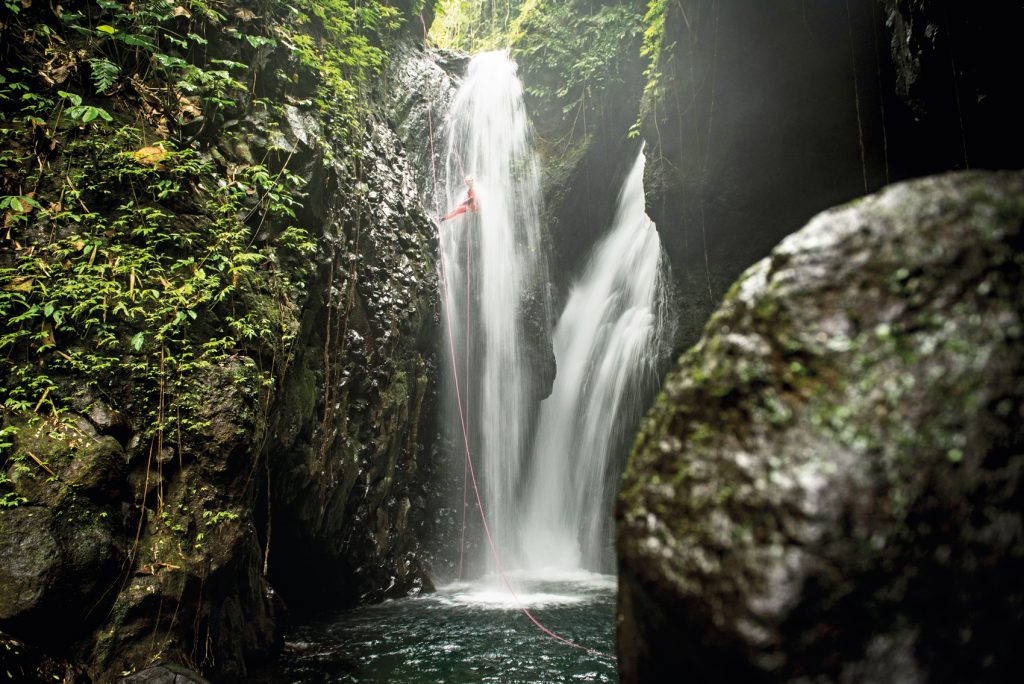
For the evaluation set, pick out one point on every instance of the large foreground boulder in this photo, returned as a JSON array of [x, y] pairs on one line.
[[829, 487]]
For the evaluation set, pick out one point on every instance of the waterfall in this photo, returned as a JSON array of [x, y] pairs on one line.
[[546, 469], [607, 347], [497, 275]]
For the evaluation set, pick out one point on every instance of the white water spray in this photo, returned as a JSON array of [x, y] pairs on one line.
[[546, 482], [607, 345], [497, 275]]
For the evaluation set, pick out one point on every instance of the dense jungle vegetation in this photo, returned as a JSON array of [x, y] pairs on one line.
[[132, 257]]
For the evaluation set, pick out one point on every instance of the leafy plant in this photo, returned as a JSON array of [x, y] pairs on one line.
[[213, 518], [20, 204], [81, 112], [104, 73], [113, 297], [654, 38], [139, 267], [574, 55]]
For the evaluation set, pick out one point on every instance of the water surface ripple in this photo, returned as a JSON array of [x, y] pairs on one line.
[[467, 632]]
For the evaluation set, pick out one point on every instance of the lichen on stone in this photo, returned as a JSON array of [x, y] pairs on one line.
[[853, 402]]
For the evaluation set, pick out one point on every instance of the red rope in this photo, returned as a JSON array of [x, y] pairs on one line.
[[462, 416], [465, 469]]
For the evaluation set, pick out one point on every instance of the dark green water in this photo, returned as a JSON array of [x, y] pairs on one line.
[[462, 633]]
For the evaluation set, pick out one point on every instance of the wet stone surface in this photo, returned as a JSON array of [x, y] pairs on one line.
[[829, 486]]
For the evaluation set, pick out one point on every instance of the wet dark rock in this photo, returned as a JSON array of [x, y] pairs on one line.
[[194, 546], [829, 487], [62, 548], [537, 341], [110, 422], [755, 131], [166, 673], [355, 416], [29, 554], [958, 105], [772, 112], [416, 94]]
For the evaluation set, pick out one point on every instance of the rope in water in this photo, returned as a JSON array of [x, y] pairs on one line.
[[462, 417]]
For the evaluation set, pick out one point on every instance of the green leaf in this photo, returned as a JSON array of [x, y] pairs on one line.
[[170, 62], [137, 41], [137, 341], [76, 100], [109, 30], [259, 41], [104, 73]]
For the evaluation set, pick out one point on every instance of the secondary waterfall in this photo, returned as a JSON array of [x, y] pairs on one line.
[[497, 286], [607, 346]]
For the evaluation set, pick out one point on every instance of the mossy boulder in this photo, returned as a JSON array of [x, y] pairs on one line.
[[828, 488], [62, 546]]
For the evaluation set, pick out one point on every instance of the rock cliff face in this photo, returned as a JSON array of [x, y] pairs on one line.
[[829, 487], [417, 93], [352, 436], [955, 103], [762, 116], [297, 469]]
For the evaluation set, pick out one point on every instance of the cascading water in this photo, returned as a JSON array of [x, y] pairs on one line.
[[497, 277], [545, 490], [544, 480], [607, 347]]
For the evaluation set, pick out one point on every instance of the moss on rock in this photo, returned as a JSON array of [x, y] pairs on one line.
[[836, 456]]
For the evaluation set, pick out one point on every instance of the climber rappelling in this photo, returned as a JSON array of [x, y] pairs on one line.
[[468, 204]]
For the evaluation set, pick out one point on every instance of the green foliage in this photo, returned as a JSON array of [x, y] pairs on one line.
[[132, 45], [137, 265], [654, 40], [574, 56], [84, 113], [476, 25], [104, 73], [19, 204], [138, 38], [130, 295], [8, 497], [336, 40], [215, 518], [133, 269]]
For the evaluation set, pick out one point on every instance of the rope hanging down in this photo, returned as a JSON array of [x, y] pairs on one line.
[[462, 417], [469, 265]]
